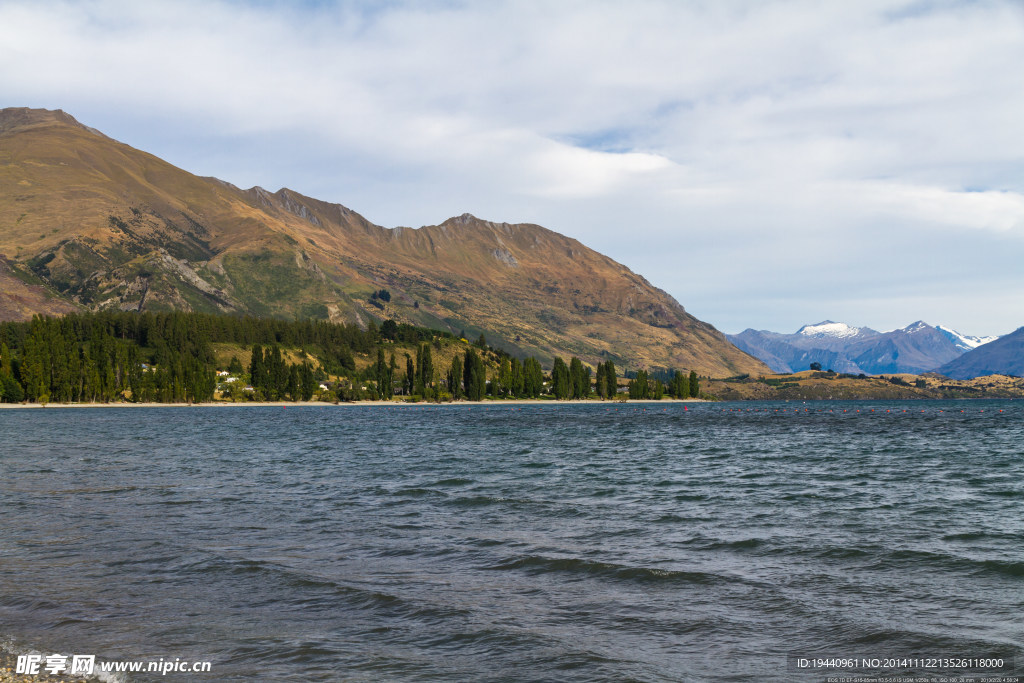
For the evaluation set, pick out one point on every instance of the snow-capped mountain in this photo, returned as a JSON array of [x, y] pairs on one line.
[[916, 348], [834, 330], [1003, 356], [964, 341]]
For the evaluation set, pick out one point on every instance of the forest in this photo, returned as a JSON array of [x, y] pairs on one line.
[[116, 356]]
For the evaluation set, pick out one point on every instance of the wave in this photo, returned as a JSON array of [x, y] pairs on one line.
[[540, 564]]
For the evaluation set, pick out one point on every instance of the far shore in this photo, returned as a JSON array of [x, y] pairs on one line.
[[331, 404]]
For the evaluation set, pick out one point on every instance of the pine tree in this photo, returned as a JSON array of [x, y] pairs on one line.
[[257, 370], [602, 388], [6, 366], [307, 382], [694, 384], [292, 386]]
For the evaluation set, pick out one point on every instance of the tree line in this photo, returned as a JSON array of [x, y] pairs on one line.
[[168, 358], [679, 386]]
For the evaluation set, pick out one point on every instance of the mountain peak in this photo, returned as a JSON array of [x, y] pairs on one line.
[[964, 341], [464, 219], [917, 327], [15, 118], [828, 328]]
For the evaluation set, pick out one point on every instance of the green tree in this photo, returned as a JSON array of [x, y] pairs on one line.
[[292, 386], [516, 387], [455, 378], [611, 381], [600, 384], [504, 384], [694, 384], [474, 376], [380, 375], [560, 384], [577, 380], [679, 386], [392, 369], [6, 364], [410, 375], [307, 382], [639, 386], [533, 378], [257, 369]]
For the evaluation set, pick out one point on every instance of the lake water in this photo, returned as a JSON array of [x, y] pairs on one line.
[[571, 543]]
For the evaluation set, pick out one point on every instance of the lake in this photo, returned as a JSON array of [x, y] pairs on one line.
[[647, 542]]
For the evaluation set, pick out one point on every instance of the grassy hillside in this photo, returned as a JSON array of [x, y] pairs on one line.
[[89, 223]]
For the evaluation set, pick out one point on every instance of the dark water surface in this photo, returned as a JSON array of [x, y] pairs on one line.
[[572, 543]]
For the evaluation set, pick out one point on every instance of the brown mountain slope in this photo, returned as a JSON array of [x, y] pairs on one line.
[[88, 222]]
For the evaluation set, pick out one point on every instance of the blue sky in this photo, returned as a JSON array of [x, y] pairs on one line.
[[769, 164]]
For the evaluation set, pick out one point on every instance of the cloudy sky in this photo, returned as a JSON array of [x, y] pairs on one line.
[[768, 163]]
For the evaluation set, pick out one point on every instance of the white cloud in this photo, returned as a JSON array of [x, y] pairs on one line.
[[732, 134]]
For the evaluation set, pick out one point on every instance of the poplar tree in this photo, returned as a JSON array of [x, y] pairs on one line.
[[410, 375], [504, 382], [455, 378], [611, 381], [560, 385], [679, 386], [425, 371], [381, 373], [474, 376], [392, 369], [533, 378], [516, 388]]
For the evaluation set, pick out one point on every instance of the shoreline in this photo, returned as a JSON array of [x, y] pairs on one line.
[[342, 404]]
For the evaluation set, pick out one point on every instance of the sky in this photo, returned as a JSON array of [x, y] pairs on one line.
[[769, 163]]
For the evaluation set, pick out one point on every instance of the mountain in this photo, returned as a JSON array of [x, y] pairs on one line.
[[1004, 356], [963, 341], [916, 348], [831, 330], [87, 222]]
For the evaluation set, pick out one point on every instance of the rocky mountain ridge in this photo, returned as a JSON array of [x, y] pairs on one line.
[[87, 222]]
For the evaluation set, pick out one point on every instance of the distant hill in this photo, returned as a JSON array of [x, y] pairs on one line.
[[89, 223], [1004, 356], [916, 348]]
